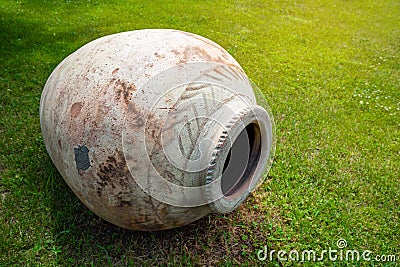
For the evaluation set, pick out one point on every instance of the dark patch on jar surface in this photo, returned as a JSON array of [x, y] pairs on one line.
[[115, 71], [202, 53], [191, 52], [76, 109], [135, 116], [176, 52], [158, 55], [113, 180], [124, 91], [82, 157]]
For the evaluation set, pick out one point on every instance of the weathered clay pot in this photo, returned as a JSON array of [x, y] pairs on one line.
[[154, 129]]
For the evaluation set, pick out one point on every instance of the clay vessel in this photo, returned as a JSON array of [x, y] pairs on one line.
[[153, 129]]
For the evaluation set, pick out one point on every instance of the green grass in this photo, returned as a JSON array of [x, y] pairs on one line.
[[331, 73]]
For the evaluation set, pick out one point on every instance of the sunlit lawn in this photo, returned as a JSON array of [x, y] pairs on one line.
[[330, 71]]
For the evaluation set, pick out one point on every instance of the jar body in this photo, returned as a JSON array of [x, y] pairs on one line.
[[129, 107]]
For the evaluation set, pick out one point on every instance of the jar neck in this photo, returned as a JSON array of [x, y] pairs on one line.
[[241, 135]]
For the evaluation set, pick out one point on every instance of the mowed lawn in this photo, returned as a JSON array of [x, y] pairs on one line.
[[330, 71]]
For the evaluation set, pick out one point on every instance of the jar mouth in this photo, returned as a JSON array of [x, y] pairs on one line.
[[241, 161]]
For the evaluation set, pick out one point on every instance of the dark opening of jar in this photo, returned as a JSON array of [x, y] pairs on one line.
[[241, 161]]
